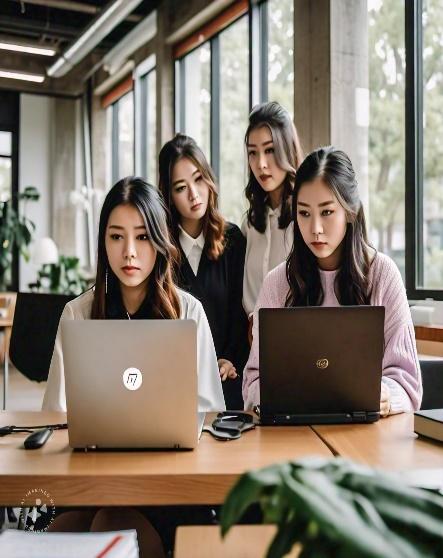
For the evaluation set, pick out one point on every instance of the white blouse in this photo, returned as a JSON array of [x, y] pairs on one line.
[[210, 392], [192, 248], [264, 251]]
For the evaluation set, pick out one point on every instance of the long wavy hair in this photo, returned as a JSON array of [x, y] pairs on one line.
[[162, 292], [351, 283], [184, 147], [288, 156]]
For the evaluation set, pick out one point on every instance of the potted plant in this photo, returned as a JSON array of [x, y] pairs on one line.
[[64, 277], [15, 232], [334, 508]]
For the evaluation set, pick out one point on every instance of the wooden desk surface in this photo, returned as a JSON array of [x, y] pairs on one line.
[[202, 476], [389, 444], [5, 322]]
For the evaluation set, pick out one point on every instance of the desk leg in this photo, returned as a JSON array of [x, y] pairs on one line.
[[5, 380]]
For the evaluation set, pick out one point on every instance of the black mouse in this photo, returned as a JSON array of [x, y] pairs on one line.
[[38, 439]]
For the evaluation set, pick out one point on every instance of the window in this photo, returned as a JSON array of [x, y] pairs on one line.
[[5, 166], [424, 143], [121, 125], [280, 54], [212, 86], [386, 128], [125, 134], [195, 72], [145, 120], [234, 108]]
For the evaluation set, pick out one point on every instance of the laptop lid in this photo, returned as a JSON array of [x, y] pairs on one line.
[[131, 384], [318, 361]]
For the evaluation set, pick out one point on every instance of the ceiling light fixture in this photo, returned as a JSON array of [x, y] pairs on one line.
[[29, 49], [99, 28], [21, 75]]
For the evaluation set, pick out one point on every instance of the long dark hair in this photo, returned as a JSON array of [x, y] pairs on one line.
[[288, 156], [351, 283], [181, 147], [162, 292]]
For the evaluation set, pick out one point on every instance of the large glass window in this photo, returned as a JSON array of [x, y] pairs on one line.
[[121, 126], [212, 86], [196, 69], [386, 128], [125, 107], [151, 129], [432, 87], [281, 53], [234, 107]]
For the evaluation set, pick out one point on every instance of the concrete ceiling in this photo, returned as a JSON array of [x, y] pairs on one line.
[[56, 23]]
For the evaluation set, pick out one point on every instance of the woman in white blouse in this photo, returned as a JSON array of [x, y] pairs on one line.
[[274, 154], [134, 281]]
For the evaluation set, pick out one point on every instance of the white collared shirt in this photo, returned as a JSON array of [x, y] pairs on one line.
[[264, 251], [192, 247]]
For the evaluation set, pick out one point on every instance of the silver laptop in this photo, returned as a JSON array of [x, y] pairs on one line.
[[131, 384], [320, 364]]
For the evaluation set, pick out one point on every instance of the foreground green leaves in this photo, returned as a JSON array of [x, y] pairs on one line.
[[335, 508]]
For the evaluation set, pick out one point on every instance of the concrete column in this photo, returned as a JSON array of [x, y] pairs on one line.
[[312, 72], [349, 85], [63, 174], [165, 78]]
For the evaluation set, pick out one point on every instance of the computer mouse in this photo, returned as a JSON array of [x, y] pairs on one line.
[[38, 438]]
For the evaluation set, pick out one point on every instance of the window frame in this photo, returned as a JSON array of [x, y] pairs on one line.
[[141, 101], [414, 171]]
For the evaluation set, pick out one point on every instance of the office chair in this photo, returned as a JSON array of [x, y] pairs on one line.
[[432, 377], [33, 333]]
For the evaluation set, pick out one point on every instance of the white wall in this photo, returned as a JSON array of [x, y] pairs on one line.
[[34, 169]]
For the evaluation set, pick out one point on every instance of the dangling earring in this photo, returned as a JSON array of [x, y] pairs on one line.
[[106, 280]]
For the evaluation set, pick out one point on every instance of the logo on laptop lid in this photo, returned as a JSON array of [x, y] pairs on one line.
[[132, 378], [322, 363]]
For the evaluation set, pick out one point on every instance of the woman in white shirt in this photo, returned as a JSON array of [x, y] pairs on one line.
[[274, 154], [134, 281]]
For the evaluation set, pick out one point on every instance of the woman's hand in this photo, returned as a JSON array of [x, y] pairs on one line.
[[385, 400], [226, 369]]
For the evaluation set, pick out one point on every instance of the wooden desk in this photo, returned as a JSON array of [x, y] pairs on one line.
[[242, 541], [202, 476], [387, 444]]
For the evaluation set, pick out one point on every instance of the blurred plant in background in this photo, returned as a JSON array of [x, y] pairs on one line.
[[16, 231]]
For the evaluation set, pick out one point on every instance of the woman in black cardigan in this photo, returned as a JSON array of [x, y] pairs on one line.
[[212, 254]]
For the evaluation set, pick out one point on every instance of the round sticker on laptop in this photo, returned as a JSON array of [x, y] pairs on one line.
[[132, 378]]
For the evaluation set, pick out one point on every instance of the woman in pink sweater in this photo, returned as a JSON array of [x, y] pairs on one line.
[[333, 264]]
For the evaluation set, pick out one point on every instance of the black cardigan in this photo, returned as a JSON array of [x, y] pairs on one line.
[[219, 287]]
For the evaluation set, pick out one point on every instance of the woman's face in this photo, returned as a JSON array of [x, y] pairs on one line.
[[190, 191], [322, 222], [262, 161], [131, 254]]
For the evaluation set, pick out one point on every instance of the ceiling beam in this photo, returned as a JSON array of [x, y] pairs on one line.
[[72, 6]]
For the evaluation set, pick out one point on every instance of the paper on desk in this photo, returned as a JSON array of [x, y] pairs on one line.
[[24, 544]]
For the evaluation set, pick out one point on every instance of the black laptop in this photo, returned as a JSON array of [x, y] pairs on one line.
[[320, 365]]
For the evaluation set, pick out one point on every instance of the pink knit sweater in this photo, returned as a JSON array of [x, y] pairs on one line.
[[401, 370]]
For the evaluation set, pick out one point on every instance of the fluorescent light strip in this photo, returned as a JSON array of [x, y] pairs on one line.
[[19, 75], [28, 49]]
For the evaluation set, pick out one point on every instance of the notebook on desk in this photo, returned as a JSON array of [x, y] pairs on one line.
[[320, 365], [131, 384]]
